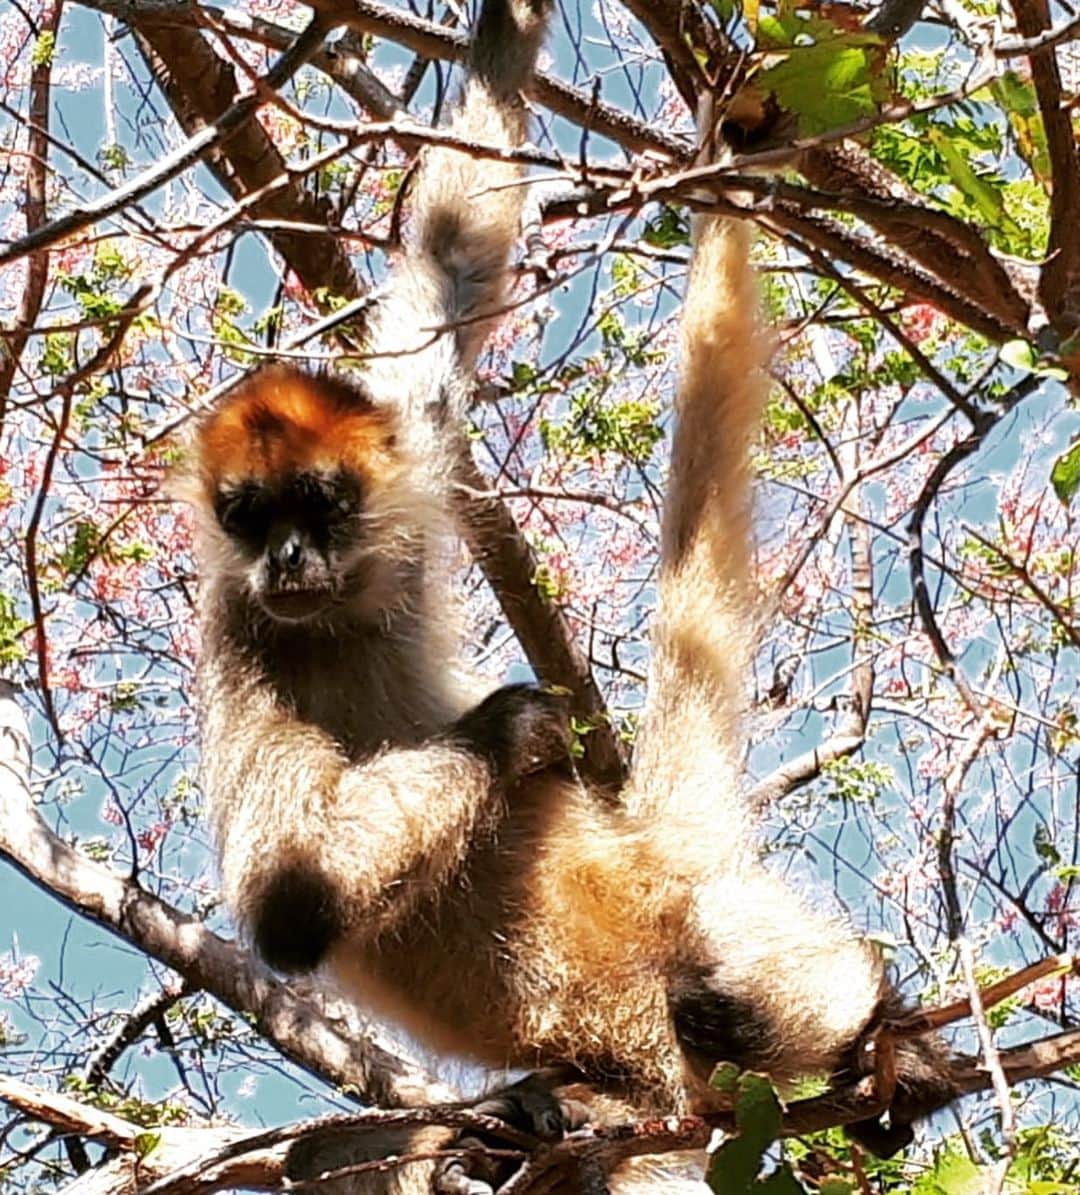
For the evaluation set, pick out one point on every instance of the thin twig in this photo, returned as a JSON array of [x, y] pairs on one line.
[[193, 150]]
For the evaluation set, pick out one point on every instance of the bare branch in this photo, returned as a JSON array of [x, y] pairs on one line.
[[1065, 623], [175, 163], [435, 41], [924, 604], [201, 89], [549, 641], [67, 1114], [34, 207], [1059, 285], [1014, 47]]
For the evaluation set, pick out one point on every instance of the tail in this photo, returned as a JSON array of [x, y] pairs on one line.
[[686, 762], [466, 217]]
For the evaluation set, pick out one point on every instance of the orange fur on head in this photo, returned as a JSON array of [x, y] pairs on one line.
[[283, 421]]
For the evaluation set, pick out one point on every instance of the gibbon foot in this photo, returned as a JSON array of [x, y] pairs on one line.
[[519, 729], [529, 1106], [923, 1085]]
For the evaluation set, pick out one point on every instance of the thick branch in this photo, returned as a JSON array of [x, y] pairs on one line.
[[344, 63], [950, 250], [791, 210], [1059, 284], [67, 1114], [678, 30], [202, 1161], [201, 88], [34, 207]]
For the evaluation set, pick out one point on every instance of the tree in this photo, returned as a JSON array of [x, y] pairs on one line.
[[188, 190]]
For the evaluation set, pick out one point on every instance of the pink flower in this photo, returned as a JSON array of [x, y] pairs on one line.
[[1047, 994], [151, 838], [110, 813], [921, 321], [16, 974]]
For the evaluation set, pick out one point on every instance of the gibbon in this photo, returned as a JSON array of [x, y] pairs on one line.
[[436, 853]]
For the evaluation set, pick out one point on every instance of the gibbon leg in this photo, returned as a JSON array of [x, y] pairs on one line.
[[784, 990]]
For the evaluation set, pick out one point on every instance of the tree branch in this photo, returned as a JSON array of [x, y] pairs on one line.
[[950, 250], [35, 210], [1059, 282], [200, 1161], [549, 641], [193, 150], [436, 41], [955, 456], [200, 88]]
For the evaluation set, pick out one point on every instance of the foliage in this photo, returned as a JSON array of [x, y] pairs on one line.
[[735, 1165]]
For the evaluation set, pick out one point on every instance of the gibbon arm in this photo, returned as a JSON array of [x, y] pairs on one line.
[[308, 842], [313, 846]]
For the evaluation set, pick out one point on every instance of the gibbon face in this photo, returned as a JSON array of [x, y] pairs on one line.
[[296, 530], [296, 470]]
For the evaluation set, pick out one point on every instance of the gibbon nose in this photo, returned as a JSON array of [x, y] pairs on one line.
[[288, 552]]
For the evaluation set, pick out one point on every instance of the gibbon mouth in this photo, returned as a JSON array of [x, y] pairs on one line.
[[296, 605]]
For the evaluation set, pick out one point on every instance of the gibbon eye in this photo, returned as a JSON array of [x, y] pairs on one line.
[[327, 499], [241, 513]]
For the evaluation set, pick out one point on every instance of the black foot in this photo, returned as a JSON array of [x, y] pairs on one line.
[[882, 1140], [528, 1106], [924, 1083]]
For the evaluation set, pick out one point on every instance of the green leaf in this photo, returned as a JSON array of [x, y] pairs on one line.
[[522, 375], [772, 32], [983, 194], [146, 1143], [667, 230], [1044, 845], [1021, 355], [56, 356], [735, 1166], [1065, 475], [725, 1078], [953, 1173], [44, 48], [783, 1182], [1017, 97], [828, 85], [12, 629]]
